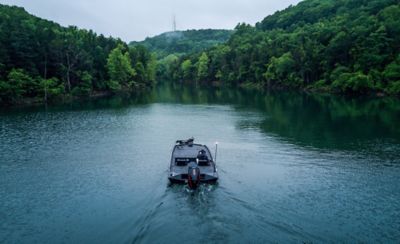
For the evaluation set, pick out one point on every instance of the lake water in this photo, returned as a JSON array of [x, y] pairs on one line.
[[293, 168]]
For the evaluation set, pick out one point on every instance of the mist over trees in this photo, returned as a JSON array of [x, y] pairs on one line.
[[184, 42]]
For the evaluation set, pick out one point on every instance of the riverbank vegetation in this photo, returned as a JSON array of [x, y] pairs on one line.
[[41, 60], [340, 46], [344, 46]]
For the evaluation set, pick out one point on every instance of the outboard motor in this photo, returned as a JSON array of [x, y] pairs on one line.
[[193, 177]]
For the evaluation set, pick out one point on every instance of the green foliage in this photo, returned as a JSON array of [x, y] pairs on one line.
[[20, 83], [352, 82], [37, 53], [342, 45], [183, 42], [319, 85], [140, 72], [151, 69], [202, 66], [187, 69], [168, 47], [145, 65], [113, 85], [391, 75], [120, 69], [392, 71], [279, 69], [51, 88], [390, 18], [165, 69], [5, 91], [85, 87], [394, 88], [360, 82]]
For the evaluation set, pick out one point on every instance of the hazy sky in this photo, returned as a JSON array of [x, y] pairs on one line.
[[137, 19]]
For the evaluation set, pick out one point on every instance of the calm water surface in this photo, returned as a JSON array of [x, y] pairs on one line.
[[293, 168]]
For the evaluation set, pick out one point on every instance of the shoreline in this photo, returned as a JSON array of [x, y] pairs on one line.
[[68, 98], [312, 90], [65, 99]]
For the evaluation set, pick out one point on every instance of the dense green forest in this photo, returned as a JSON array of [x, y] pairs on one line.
[[184, 42], [169, 46], [41, 60], [347, 46]]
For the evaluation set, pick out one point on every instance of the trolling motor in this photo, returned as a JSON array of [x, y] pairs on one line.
[[185, 142], [193, 176]]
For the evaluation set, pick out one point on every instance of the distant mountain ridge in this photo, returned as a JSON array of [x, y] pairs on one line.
[[184, 42]]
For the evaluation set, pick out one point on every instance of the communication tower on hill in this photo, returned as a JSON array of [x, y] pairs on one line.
[[174, 23]]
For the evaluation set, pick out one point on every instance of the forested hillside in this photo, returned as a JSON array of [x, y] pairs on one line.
[[349, 46], [169, 46], [346, 46], [184, 42], [41, 60]]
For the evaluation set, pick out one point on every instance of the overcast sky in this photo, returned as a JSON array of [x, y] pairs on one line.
[[137, 19]]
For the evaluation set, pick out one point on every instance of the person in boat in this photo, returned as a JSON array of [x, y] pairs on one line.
[[202, 159]]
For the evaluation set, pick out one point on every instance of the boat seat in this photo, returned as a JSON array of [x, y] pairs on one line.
[[203, 162], [182, 161]]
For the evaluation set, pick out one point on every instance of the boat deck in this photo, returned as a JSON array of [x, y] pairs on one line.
[[188, 154]]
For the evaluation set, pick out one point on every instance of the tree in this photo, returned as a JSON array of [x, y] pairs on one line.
[[85, 87], [119, 69], [352, 82], [392, 71], [151, 69], [183, 42], [391, 75], [280, 69], [20, 84], [202, 66], [187, 69], [37, 56], [165, 67], [51, 88], [302, 46]]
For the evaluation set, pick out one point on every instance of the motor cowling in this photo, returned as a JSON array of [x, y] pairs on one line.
[[193, 177]]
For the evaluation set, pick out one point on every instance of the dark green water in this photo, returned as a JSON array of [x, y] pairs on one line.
[[293, 168]]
